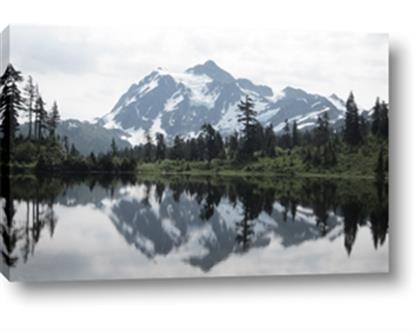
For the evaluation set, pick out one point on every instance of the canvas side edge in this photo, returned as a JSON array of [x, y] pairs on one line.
[[4, 179]]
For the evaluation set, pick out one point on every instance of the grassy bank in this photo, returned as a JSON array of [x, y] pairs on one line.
[[359, 163], [195, 169]]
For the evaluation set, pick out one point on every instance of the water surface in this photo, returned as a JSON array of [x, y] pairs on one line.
[[176, 226]]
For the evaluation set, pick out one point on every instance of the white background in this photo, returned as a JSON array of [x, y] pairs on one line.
[[340, 303]]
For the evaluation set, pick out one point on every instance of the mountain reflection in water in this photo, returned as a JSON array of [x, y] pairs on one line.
[[174, 226]]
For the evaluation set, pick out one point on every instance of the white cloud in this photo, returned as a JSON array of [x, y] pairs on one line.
[[86, 70]]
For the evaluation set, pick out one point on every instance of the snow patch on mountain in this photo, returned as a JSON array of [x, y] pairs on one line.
[[156, 127], [135, 136], [173, 102], [197, 87], [229, 120]]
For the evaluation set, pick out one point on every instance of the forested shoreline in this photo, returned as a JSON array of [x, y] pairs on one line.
[[360, 148]]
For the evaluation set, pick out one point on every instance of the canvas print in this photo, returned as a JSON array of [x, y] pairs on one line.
[[131, 153]]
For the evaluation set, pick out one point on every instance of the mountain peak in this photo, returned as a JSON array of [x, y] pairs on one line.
[[290, 91], [210, 63], [211, 69], [159, 71], [337, 101], [335, 97]]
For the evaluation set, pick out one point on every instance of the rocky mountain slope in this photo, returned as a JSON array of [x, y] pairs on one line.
[[180, 103]]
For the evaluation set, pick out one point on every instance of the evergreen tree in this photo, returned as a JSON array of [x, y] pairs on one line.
[[30, 98], [160, 147], [364, 128], [285, 140], [270, 141], [325, 152], [177, 150], [35, 114], [148, 148], [322, 131], [219, 147], [200, 142], [376, 118], [114, 148], [10, 104], [326, 124], [295, 135], [352, 134], [208, 136], [247, 116], [257, 137], [41, 118], [384, 120], [213, 143], [380, 120], [233, 143], [53, 120], [193, 150]]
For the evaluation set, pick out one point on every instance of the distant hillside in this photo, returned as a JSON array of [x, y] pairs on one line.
[[86, 136]]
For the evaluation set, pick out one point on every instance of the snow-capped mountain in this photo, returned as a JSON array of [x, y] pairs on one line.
[[180, 103]]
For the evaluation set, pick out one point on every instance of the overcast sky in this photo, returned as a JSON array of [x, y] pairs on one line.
[[86, 70]]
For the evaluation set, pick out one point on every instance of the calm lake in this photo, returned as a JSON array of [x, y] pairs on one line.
[[176, 226]]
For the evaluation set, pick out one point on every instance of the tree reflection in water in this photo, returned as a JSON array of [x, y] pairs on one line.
[[194, 202], [39, 202]]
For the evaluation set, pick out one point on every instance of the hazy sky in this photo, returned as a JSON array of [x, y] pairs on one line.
[[86, 70]]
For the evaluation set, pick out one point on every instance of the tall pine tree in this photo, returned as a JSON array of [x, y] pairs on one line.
[[270, 141], [177, 150], [213, 143], [41, 118], [352, 133], [160, 147], [322, 131], [384, 120], [285, 139], [53, 120], [247, 117], [376, 118], [148, 148], [114, 148], [10, 103], [29, 99], [295, 134], [208, 136], [232, 145]]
